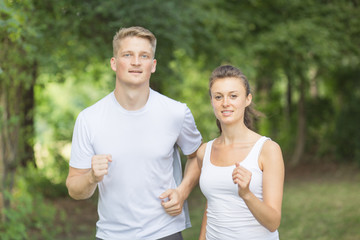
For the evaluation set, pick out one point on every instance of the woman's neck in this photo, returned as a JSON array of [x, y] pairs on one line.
[[236, 134]]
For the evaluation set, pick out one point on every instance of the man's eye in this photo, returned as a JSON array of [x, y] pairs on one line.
[[145, 56], [127, 55]]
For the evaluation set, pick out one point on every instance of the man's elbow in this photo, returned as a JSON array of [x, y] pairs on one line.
[[72, 193], [77, 196]]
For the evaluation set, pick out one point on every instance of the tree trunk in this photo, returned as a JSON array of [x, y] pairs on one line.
[[17, 82], [301, 127], [288, 106], [9, 138], [28, 107]]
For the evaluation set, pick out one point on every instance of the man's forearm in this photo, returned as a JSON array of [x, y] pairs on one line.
[[81, 186]]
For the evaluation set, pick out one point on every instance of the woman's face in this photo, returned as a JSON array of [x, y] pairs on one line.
[[229, 100]]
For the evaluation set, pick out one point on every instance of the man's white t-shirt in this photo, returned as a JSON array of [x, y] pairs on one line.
[[145, 163]]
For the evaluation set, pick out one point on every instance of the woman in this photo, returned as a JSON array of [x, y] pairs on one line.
[[242, 172]]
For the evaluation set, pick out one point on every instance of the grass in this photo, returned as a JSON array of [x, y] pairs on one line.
[[313, 209], [321, 211]]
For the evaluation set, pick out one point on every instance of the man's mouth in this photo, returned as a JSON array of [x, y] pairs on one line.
[[135, 71]]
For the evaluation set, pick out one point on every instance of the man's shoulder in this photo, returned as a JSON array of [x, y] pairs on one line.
[[95, 112], [168, 102], [99, 105]]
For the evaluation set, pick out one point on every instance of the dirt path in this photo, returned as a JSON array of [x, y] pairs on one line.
[[76, 218]]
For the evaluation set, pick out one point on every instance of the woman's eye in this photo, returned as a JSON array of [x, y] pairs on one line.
[[217, 97], [233, 96]]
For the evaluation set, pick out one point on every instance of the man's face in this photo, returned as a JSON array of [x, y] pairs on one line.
[[134, 62]]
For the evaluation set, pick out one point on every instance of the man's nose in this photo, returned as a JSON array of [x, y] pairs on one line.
[[135, 60]]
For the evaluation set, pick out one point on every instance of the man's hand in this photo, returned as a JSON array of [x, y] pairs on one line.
[[100, 166], [172, 201]]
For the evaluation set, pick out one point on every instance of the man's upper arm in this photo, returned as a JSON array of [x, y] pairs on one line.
[[81, 146], [190, 138]]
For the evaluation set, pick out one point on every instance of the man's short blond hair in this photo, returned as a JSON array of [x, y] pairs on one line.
[[133, 32]]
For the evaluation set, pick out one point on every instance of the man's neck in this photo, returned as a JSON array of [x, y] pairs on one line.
[[132, 98]]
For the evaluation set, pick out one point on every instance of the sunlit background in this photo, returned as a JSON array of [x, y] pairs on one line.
[[301, 58]]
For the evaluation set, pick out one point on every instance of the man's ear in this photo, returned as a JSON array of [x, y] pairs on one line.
[[154, 66], [113, 63]]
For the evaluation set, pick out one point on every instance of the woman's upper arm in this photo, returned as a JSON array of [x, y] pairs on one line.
[[272, 163], [200, 154]]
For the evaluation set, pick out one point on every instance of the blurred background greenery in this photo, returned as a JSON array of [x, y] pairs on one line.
[[301, 57]]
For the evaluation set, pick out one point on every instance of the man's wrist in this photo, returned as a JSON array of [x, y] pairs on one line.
[[92, 178], [184, 191]]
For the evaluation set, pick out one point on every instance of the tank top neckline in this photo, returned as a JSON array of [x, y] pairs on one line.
[[243, 160]]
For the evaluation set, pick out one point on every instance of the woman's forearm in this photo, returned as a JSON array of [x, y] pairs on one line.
[[264, 214], [203, 226]]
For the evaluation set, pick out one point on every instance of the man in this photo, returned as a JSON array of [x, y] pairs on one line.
[[126, 144]]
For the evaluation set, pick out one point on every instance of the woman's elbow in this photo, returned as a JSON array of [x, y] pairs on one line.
[[274, 225]]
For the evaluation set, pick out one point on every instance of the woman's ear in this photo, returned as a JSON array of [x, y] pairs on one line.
[[248, 99]]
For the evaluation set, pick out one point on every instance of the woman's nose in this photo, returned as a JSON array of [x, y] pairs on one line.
[[225, 101]]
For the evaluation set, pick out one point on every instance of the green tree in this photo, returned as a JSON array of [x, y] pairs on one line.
[[62, 37], [28, 47], [299, 42], [17, 79], [294, 53]]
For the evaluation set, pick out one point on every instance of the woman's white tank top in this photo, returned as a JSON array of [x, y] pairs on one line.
[[228, 217]]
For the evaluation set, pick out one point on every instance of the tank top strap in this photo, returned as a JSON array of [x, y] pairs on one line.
[[256, 150], [207, 154]]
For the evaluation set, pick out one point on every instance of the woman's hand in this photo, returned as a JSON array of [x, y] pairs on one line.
[[242, 177]]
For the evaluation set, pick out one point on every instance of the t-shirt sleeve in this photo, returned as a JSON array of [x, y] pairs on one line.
[[81, 147], [189, 139]]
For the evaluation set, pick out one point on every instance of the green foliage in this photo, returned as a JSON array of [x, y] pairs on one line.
[[273, 43], [15, 227], [190, 85], [346, 138], [197, 203], [29, 216], [65, 46], [45, 186], [58, 104]]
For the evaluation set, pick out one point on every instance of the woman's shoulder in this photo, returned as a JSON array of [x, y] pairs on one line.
[[270, 147], [270, 153], [201, 151], [200, 154]]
